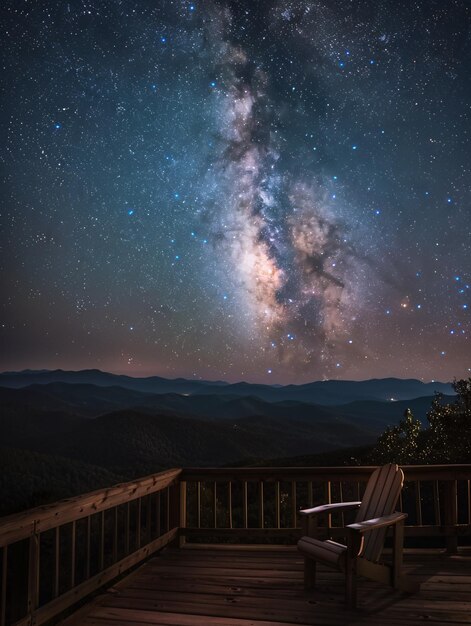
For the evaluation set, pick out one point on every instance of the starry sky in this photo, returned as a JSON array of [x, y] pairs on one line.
[[265, 191]]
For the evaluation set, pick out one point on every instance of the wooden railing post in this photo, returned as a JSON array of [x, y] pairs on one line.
[[451, 515], [177, 510], [33, 572]]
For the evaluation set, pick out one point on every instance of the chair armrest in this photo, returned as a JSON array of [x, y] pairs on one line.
[[377, 522], [330, 508]]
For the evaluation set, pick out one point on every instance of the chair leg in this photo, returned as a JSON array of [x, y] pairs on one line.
[[397, 553], [351, 585], [309, 573]]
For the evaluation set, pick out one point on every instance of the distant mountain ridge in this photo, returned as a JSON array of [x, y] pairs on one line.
[[54, 425], [91, 401], [149, 430], [327, 393], [138, 443]]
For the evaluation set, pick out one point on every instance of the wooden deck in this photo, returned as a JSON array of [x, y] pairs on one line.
[[239, 586]]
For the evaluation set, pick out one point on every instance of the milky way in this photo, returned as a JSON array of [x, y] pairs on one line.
[[295, 274], [271, 191]]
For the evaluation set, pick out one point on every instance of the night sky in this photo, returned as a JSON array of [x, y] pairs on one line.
[[262, 191]]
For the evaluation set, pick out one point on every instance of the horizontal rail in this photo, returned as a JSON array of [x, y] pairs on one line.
[[22, 525], [459, 530], [347, 473]]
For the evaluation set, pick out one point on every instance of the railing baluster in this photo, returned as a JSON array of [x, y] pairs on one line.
[[229, 502], [138, 524], [418, 503], [469, 502], [294, 506], [310, 494], [182, 522], [278, 504], [115, 534], [167, 518], [261, 509], [215, 506], [148, 520], [101, 560], [57, 547], [328, 499], [33, 570], [88, 548], [436, 503], [451, 514], [3, 593], [157, 512], [72, 555], [198, 503], [127, 529], [245, 510]]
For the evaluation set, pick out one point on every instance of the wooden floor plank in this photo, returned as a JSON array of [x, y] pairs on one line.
[[245, 588], [201, 572], [209, 606], [126, 616], [285, 604], [279, 566], [219, 588]]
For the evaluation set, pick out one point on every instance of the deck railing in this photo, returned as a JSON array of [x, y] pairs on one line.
[[263, 502], [52, 556]]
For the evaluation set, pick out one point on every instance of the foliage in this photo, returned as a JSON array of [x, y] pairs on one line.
[[446, 440], [399, 444], [449, 436]]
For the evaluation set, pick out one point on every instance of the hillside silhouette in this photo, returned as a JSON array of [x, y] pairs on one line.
[[64, 429], [329, 392]]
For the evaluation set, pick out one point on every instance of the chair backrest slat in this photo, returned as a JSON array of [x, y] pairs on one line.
[[380, 498]]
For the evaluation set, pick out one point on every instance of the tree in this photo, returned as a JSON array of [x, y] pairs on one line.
[[399, 444], [449, 434]]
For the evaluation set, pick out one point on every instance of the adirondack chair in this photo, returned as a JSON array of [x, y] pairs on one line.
[[364, 538]]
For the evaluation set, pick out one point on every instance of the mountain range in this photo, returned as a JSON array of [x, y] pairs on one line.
[[106, 425], [328, 392]]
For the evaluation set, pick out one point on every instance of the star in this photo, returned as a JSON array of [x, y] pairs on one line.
[[260, 185]]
